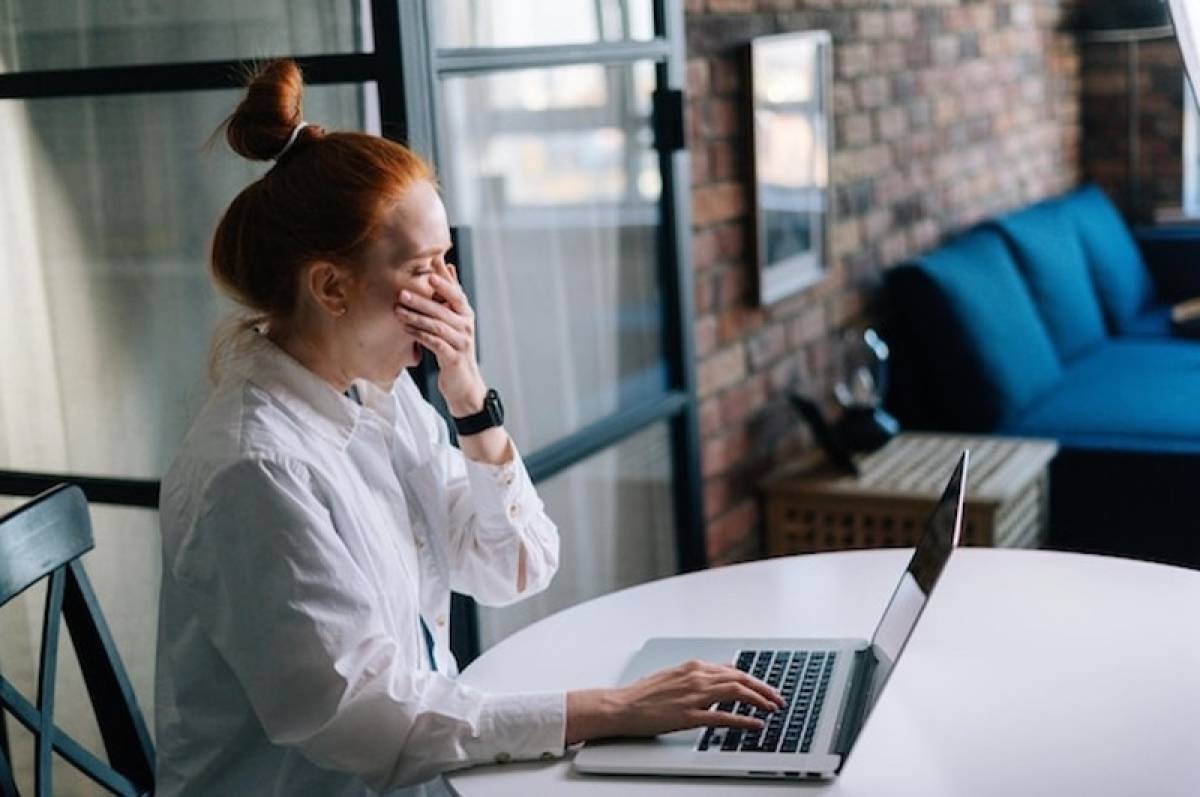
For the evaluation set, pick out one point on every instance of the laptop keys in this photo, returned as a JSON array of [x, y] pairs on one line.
[[802, 677]]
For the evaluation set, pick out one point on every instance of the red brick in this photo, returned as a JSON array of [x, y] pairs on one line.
[[738, 322], [733, 529], [725, 368], [710, 416], [705, 334], [726, 74], [717, 494], [724, 160], [767, 346], [720, 453], [705, 292], [742, 400], [721, 118], [731, 241], [873, 91], [854, 130], [704, 250], [700, 165], [730, 6], [718, 202], [902, 23], [698, 83], [852, 60], [732, 288], [807, 327], [892, 123], [872, 24]]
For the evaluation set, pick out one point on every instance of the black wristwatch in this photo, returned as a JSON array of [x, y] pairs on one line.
[[491, 415]]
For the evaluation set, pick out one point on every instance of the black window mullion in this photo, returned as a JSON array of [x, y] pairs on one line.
[[193, 76], [591, 439]]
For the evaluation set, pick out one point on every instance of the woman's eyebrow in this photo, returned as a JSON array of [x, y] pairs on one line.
[[430, 252]]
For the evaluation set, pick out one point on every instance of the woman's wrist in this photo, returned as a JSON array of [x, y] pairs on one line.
[[467, 401], [592, 714]]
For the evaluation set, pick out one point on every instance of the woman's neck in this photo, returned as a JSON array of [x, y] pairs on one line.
[[312, 355]]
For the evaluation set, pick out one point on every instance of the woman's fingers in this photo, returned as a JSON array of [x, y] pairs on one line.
[[415, 305], [730, 693], [726, 719], [444, 352], [765, 691], [454, 339], [450, 289], [765, 695]]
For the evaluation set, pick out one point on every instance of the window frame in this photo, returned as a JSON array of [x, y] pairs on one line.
[[406, 66]]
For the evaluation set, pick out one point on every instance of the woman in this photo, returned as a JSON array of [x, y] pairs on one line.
[[317, 516]]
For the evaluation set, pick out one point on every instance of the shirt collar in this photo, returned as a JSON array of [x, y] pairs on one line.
[[308, 397]]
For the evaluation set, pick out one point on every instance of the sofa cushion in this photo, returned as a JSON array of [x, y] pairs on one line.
[[1052, 261], [1120, 275], [974, 325], [1126, 395], [1153, 322]]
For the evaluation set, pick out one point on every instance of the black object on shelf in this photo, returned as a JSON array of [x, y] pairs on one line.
[[826, 438]]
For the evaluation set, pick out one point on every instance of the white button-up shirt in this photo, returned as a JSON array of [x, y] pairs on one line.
[[304, 536]]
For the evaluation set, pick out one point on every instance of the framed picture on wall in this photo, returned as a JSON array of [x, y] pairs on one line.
[[791, 105]]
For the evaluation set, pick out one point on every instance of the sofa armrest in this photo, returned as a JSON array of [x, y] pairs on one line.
[[1173, 256]]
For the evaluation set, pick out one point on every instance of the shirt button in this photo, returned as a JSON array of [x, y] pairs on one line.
[[508, 479], [513, 511], [420, 543], [441, 619], [503, 758]]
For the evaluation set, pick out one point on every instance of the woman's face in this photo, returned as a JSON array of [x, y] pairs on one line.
[[411, 245]]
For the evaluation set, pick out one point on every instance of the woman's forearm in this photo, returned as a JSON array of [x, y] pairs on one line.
[[591, 714], [491, 446]]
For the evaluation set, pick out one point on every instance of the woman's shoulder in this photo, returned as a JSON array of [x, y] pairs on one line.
[[237, 429]]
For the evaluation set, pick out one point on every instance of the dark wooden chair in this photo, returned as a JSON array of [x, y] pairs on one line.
[[44, 539]]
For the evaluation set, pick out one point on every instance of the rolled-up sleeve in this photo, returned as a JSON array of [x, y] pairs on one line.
[[281, 599], [493, 512]]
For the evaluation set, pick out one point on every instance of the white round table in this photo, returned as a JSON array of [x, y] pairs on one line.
[[1030, 673]]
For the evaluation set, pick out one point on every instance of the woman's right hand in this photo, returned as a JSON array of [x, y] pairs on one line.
[[673, 699]]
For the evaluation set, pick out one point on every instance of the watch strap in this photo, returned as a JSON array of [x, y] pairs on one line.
[[491, 415]]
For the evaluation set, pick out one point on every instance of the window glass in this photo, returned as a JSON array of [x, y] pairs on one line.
[[553, 172], [529, 23], [68, 34], [615, 521], [105, 321]]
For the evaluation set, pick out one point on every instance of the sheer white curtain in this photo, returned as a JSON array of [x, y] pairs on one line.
[[565, 264], [41, 257]]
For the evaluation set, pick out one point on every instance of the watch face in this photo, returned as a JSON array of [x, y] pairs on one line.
[[494, 407]]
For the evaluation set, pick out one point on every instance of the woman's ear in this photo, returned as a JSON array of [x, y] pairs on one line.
[[329, 285]]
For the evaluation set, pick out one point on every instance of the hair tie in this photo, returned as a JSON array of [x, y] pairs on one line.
[[291, 140]]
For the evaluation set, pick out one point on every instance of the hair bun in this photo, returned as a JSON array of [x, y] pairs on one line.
[[274, 104]]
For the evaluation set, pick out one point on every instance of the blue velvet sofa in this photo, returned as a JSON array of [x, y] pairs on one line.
[[1054, 321]]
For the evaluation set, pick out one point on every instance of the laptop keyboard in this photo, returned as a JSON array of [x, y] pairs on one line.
[[802, 676]]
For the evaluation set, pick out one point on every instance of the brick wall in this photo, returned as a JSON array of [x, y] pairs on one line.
[[945, 112], [1106, 117]]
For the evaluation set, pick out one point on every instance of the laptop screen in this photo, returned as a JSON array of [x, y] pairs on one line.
[[1185, 16], [942, 532]]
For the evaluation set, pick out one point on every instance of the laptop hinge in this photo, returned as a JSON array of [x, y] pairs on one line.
[[856, 706]]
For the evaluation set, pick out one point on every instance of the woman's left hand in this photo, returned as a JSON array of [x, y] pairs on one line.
[[447, 328]]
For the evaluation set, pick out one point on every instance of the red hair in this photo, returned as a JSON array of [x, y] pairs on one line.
[[323, 199]]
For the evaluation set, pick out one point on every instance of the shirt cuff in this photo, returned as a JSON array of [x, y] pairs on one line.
[[505, 498], [528, 726]]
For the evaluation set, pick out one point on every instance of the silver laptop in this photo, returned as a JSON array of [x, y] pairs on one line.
[[830, 685]]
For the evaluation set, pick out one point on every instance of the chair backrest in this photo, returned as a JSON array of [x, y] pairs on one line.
[[44, 539]]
